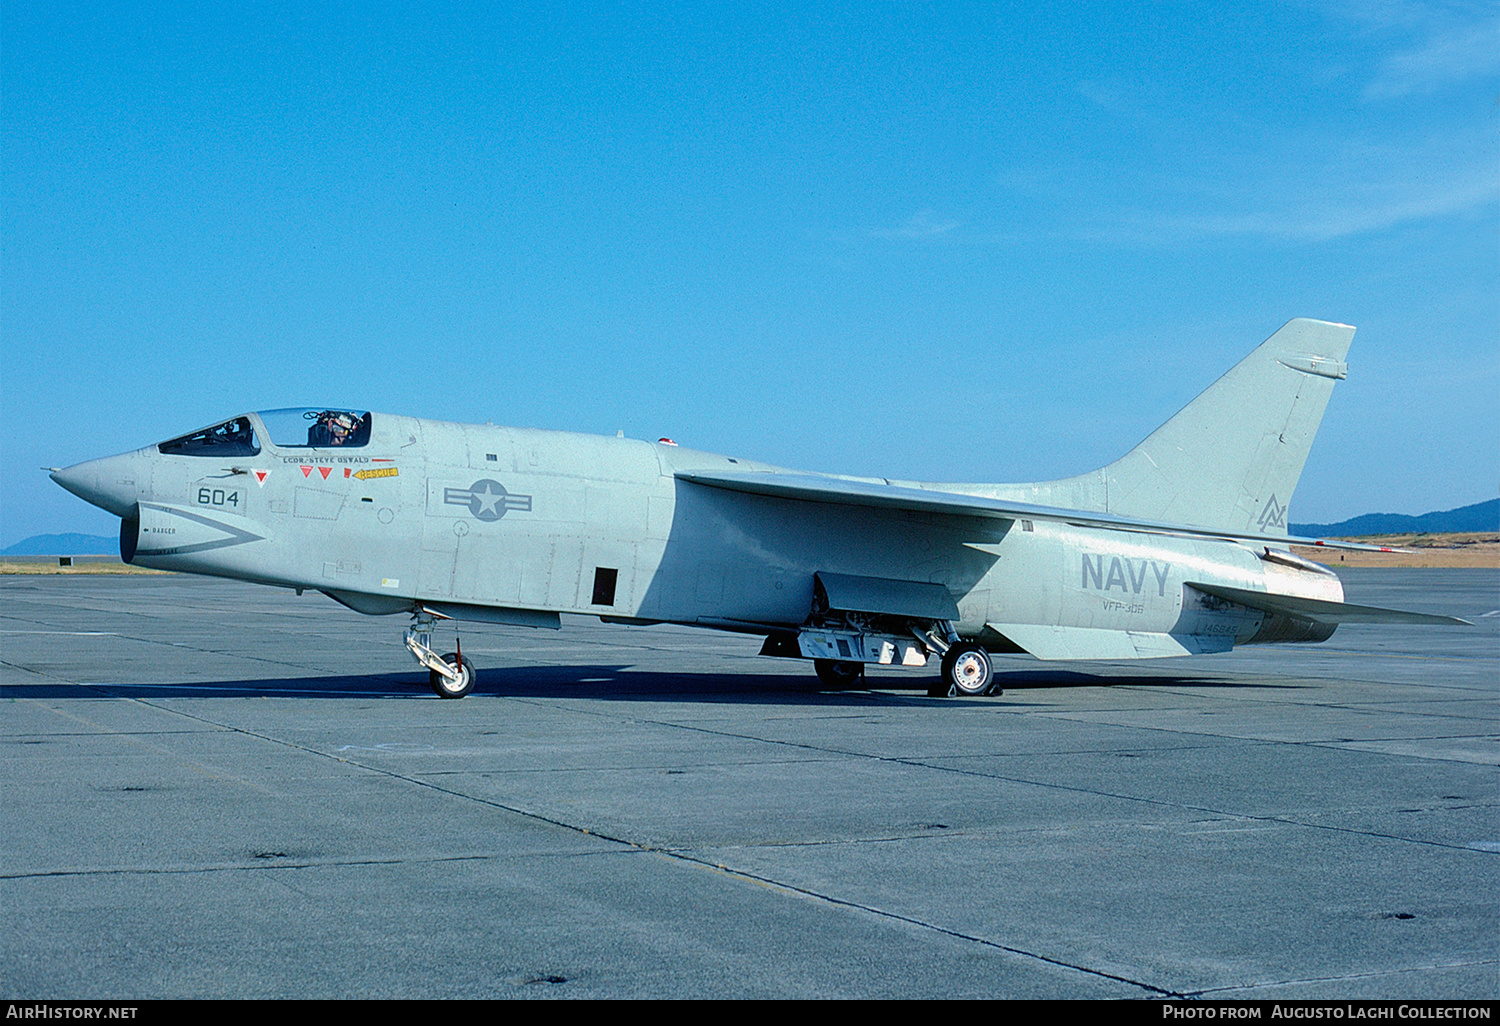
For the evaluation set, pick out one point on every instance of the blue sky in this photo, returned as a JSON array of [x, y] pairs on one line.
[[948, 242]]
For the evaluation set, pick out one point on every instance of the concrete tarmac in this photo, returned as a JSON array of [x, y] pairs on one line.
[[210, 789]]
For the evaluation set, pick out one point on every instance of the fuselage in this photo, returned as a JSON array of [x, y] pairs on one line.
[[402, 511]]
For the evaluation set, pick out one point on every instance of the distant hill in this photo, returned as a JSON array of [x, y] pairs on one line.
[[1482, 516], [65, 545]]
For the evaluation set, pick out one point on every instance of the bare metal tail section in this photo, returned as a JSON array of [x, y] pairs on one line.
[[1230, 460]]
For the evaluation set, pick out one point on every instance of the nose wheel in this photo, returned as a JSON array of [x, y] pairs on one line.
[[451, 675], [460, 684]]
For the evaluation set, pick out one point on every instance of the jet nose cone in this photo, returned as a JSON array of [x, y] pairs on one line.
[[114, 483]]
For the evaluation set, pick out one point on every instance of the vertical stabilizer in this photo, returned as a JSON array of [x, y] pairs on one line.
[[1230, 459]]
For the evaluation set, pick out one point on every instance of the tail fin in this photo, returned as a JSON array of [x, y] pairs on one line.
[[1230, 459]]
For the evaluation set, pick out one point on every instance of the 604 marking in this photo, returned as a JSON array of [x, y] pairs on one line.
[[210, 496]]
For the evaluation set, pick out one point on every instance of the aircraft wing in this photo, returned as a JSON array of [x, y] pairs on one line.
[[1320, 609], [882, 495]]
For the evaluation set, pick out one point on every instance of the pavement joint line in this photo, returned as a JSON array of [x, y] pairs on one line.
[[910, 920], [1335, 742], [1185, 746], [1477, 695], [108, 733], [677, 855], [1408, 655], [1249, 816], [922, 764], [174, 644], [39, 673], [24, 669], [829, 843], [283, 866], [69, 634], [208, 769], [1405, 970], [1397, 738], [209, 688]]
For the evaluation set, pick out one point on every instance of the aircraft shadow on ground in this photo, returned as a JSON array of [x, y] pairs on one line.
[[620, 682]]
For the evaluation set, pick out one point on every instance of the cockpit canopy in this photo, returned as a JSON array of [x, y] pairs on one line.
[[316, 429], [299, 428], [232, 438]]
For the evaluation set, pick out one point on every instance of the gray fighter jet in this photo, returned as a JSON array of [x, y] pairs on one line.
[[1180, 547]]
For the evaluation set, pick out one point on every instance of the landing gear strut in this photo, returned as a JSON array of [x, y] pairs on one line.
[[451, 675]]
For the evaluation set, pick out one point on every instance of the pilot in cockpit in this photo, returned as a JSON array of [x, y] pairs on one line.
[[332, 427]]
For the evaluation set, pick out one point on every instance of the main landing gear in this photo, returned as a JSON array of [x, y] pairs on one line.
[[966, 668], [841, 647], [451, 675]]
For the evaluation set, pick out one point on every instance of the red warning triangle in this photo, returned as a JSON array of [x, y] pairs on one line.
[[261, 475], [325, 471], [306, 470]]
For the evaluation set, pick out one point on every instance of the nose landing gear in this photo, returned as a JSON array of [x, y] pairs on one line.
[[451, 675]]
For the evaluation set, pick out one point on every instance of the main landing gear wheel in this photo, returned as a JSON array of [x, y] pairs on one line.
[[839, 674], [966, 669], [446, 688]]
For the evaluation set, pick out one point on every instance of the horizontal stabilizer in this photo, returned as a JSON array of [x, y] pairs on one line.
[[1321, 610], [884, 495], [1051, 642]]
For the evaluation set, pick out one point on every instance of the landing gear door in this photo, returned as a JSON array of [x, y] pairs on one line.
[[915, 600]]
